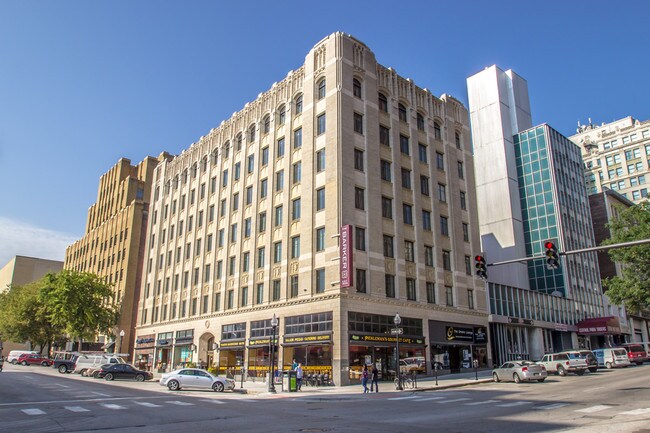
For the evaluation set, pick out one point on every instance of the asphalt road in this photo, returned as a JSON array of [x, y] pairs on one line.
[[37, 399]]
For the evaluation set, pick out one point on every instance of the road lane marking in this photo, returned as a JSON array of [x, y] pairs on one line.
[[180, 403], [636, 412], [429, 398], [99, 393], [78, 400], [147, 404], [453, 401], [75, 409], [593, 409], [112, 406], [551, 406], [214, 401], [515, 403], [408, 397], [33, 411], [476, 403]]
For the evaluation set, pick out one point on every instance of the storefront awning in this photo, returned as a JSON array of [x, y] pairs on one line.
[[599, 326]]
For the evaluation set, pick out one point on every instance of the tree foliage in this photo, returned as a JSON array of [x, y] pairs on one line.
[[632, 288], [80, 303]]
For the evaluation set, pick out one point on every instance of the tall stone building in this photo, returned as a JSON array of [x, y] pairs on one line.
[[113, 244], [616, 156], [339, 197]]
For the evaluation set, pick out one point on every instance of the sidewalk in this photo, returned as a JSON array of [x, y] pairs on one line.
[[423, 384]]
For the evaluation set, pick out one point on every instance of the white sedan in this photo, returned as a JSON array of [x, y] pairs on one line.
[[195, 378]]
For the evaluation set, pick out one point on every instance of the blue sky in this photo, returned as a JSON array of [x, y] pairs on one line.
[[83, 83]]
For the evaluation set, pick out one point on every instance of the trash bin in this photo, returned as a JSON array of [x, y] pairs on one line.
[[289, 381]]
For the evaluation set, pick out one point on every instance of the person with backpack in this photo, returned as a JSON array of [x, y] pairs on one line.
[[374, 379]]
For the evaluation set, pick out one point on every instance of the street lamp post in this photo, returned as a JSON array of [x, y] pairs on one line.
[[397, 321], [121, 339], [274, 325]]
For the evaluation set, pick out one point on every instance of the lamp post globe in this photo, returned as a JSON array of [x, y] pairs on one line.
[[121, 339], [274, 325], [397, 321]]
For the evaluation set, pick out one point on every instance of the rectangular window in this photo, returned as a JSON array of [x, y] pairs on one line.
[[320, 160], [297, 136], [440, 161], [237, 173], [235, 201], [250, 164], [296, 172], [320, 124], [465, 232], [260, 257], [358, 159], [422, 152], [320, 239], [385, 170], [384, 136], [261, 222], [280, 148], [409, 251], [428, 255], [407, 213], [470, 299], [463, 201], [468, 265], [449, 295], [386, 207], [320, 199], [231, 265], [245, 261], [207, 273], [442, 193], [277, 252], [202, 191], [295, 209], [406, 178], [360, 238], [294, 286], [431, 293], [259, 293], [426, 220], [265, 156], [295, 247], [219, 272], [361, 280], [359, 201], [388, 246], [410, 289], [276, 290], [244, 296], [424, 185], [233, 232], [358, 123], [231, 299], [211, 213], [249, 195], [444, 226], [404, 145], [278, 216], [263, 188], [320, 280], [279, 180], [220, 237], [461, 170], [389, 282], [446, 260]]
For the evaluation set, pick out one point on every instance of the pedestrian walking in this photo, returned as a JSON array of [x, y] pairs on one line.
[[364, 379], [374, 379], [299, 376]]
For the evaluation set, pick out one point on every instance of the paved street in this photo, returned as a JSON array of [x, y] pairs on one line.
[[35, 399]]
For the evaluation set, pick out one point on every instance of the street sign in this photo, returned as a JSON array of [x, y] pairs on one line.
[[397, 331]]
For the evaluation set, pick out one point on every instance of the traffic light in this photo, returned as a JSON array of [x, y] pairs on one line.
[[552, 256], [481, 266]]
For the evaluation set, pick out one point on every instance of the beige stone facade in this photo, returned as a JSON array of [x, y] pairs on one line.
[[113, 244], [245, 224], [617, 157]]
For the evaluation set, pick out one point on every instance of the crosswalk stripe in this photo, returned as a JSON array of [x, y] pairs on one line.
[[180, 403], [33, 411], [514, 403], [146, 404], [408, 397], [476, 403], [429, 398], [551, 406], [214, 401], [112, 406], [75, 409], [636, 412], [453, 401], [593, 409]]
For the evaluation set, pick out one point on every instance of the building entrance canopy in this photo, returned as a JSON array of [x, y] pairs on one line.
[[599, 326]]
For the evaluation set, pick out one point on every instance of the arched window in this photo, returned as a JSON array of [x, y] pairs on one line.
[[298, 104], [420, 122], [402, 112], [238, 141], [321, 89], [204, 164], [215, 156], [383, 103], [251, 133], [194, 170], [267, 124], [356, 88], [437, 134], [282, 114], [226, 149], [458, 143]]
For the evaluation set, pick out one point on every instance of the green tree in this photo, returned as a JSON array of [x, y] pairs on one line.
[[80, 303], [24, 317], [632, 289]]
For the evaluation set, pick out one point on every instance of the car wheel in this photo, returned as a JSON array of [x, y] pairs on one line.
[[561, 371], [44, 364], [217, 387], [516, 378], [24, 363], [63, 369], [173, 385], [541, 380], [608, 364], [495, 377], [96, 374], [84, 372], [139, 378], [580, 372], [593, 369], [109, 376], [14, 362]]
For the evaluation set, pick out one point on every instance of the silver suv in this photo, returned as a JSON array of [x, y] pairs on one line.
[[562, 364]]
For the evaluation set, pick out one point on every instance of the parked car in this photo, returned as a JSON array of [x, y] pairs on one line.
[[587, 355], [612, 357], [414, 364], [195, 378], [636, 353], [518, 371], [34, 359], [123, 371], [94, 371], [64, 362], [561, 364], [15, 354], [87, 361]]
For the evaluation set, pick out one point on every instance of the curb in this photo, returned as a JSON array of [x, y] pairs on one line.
[[453, 385]]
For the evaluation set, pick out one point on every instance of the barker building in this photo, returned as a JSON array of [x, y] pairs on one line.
[[339, 197]]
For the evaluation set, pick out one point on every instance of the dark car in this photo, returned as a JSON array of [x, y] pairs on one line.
[[123, 371], [636, 353], [34, 359]]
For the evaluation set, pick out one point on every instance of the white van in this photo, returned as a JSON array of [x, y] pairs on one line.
[[91, 361], [15, 354], [612, 357]]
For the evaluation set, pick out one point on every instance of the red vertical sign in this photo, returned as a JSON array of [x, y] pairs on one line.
[[346, 256]]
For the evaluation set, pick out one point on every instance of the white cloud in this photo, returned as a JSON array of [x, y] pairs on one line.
[[21, 239]]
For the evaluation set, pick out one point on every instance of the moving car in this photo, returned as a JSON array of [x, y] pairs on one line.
[[612, 357], [123, 371], [34, 359], [561, 364], [636, 353], [518, 371], [195, 378]]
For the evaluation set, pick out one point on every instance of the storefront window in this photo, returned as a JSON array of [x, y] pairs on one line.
[[314, 358]]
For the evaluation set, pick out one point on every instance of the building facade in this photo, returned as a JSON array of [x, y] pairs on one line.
[[113, 244], [535, 176], [338, 198], [616, 156]]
